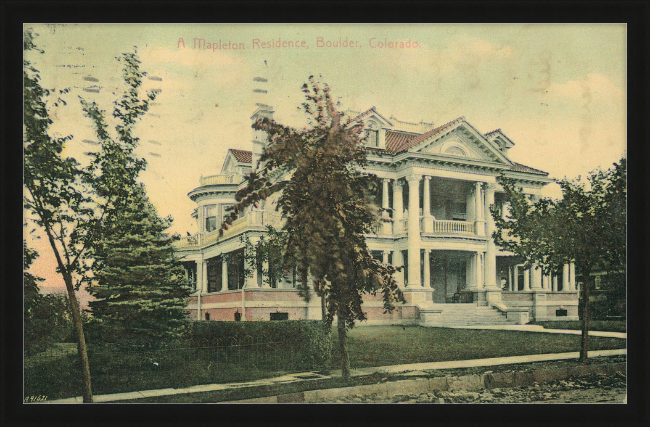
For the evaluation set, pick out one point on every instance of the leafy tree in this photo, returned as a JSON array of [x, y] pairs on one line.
[[46, 317], [139, 284], [587, 226], [327, 203], [55, 195]]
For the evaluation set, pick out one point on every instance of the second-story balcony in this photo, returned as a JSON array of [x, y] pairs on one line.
[[434, 226], [221, 179], [252, 220]]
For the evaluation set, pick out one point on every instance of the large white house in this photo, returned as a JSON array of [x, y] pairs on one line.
[[439, 182]]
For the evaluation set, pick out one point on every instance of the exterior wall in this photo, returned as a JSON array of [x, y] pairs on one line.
[[544, 305]]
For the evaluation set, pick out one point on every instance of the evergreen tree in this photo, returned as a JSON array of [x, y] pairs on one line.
[[139, 284], [327, 203], [587, 226]]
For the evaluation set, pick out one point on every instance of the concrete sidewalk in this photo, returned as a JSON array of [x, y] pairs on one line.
[[310, 376], [539, 328]]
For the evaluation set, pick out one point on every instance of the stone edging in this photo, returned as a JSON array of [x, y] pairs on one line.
[[488, 380]]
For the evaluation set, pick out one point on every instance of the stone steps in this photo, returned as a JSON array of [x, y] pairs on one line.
[[463, 315]]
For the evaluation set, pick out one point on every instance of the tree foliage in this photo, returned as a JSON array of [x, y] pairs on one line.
[[47, 318], [587, 226], [55, 194], [138, 282], [326, 201]]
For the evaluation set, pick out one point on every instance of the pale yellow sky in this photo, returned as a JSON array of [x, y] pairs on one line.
[[558, 91]]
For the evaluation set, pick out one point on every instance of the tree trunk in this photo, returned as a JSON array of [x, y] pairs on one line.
[[323, 308], [343, 349], [584, 302], [78, 325]]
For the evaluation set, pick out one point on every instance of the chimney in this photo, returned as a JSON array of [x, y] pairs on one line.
[[262, 110]]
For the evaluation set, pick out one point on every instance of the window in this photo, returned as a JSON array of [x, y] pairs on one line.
[[190, 274], [207, 316], [210, 215], [561, 313], [214, 266], [279, 316], [236, 270], [372, 138]]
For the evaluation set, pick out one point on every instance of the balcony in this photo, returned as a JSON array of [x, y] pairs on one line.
[[429, 225], [230, 178], [252, 220]]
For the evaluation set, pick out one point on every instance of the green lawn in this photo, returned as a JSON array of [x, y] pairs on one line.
[[594, 325], [369, 346], [395, 345]]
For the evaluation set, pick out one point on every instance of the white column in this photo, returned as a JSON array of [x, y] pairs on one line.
[[427, 270], [385, 257], [385, 226], [398, 207], [224, 273], [414, 230], [200, 265], [251, 281], [428, 221], [478, 275], [479, 223], [536, 278], [490, 256], [527, 280], [565, 277], [515, 275], [398, 261], [554, 289], [572, 279]]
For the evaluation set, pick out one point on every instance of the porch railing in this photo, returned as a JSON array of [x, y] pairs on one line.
[[230, 178], [453, 227]]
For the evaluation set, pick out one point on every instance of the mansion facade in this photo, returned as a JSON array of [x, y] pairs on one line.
[[438, 185]]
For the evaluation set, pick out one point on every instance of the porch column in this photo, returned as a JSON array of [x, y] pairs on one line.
[[479, 223], [536, 278], [224, 273], [385, 226], [565, 277], [427, 270], [251, 281], [202, 276], [265, 278], [478, 271], [515, 276], [510, 279], [398, 261], [428, 221], [490, 256], [554, 283], [572, 278], [385, 257], [398, 207], [414, 230], [527, 280]]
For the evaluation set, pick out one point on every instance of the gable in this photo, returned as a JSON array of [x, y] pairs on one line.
[[463, 141]]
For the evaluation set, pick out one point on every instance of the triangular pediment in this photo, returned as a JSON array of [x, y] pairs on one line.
[[463, 141]]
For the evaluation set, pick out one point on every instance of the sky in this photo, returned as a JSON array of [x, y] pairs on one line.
[[557, 91]]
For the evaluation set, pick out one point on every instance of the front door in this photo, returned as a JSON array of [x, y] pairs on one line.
[[448, 275]]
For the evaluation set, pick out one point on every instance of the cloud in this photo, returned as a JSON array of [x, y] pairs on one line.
[[589, 89]]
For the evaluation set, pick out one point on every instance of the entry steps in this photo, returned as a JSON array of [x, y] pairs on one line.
[[462, 314]]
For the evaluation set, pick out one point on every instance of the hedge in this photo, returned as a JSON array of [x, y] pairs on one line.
[[305, 342]]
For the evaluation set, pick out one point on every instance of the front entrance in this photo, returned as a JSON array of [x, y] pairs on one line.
[[448, 274]]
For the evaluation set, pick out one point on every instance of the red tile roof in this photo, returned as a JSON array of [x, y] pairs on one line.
[[416, 139], [395, 140], [518, 167], [242, 155]]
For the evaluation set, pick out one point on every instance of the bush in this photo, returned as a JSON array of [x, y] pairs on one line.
[[305, 342]]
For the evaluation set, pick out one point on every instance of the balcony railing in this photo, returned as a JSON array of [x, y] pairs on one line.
[[230, 178], [453, 227], [251, 219]]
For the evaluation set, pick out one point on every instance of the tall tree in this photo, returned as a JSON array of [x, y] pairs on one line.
[[327, 203], [56, 196], [586, 226], [139, 284]]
